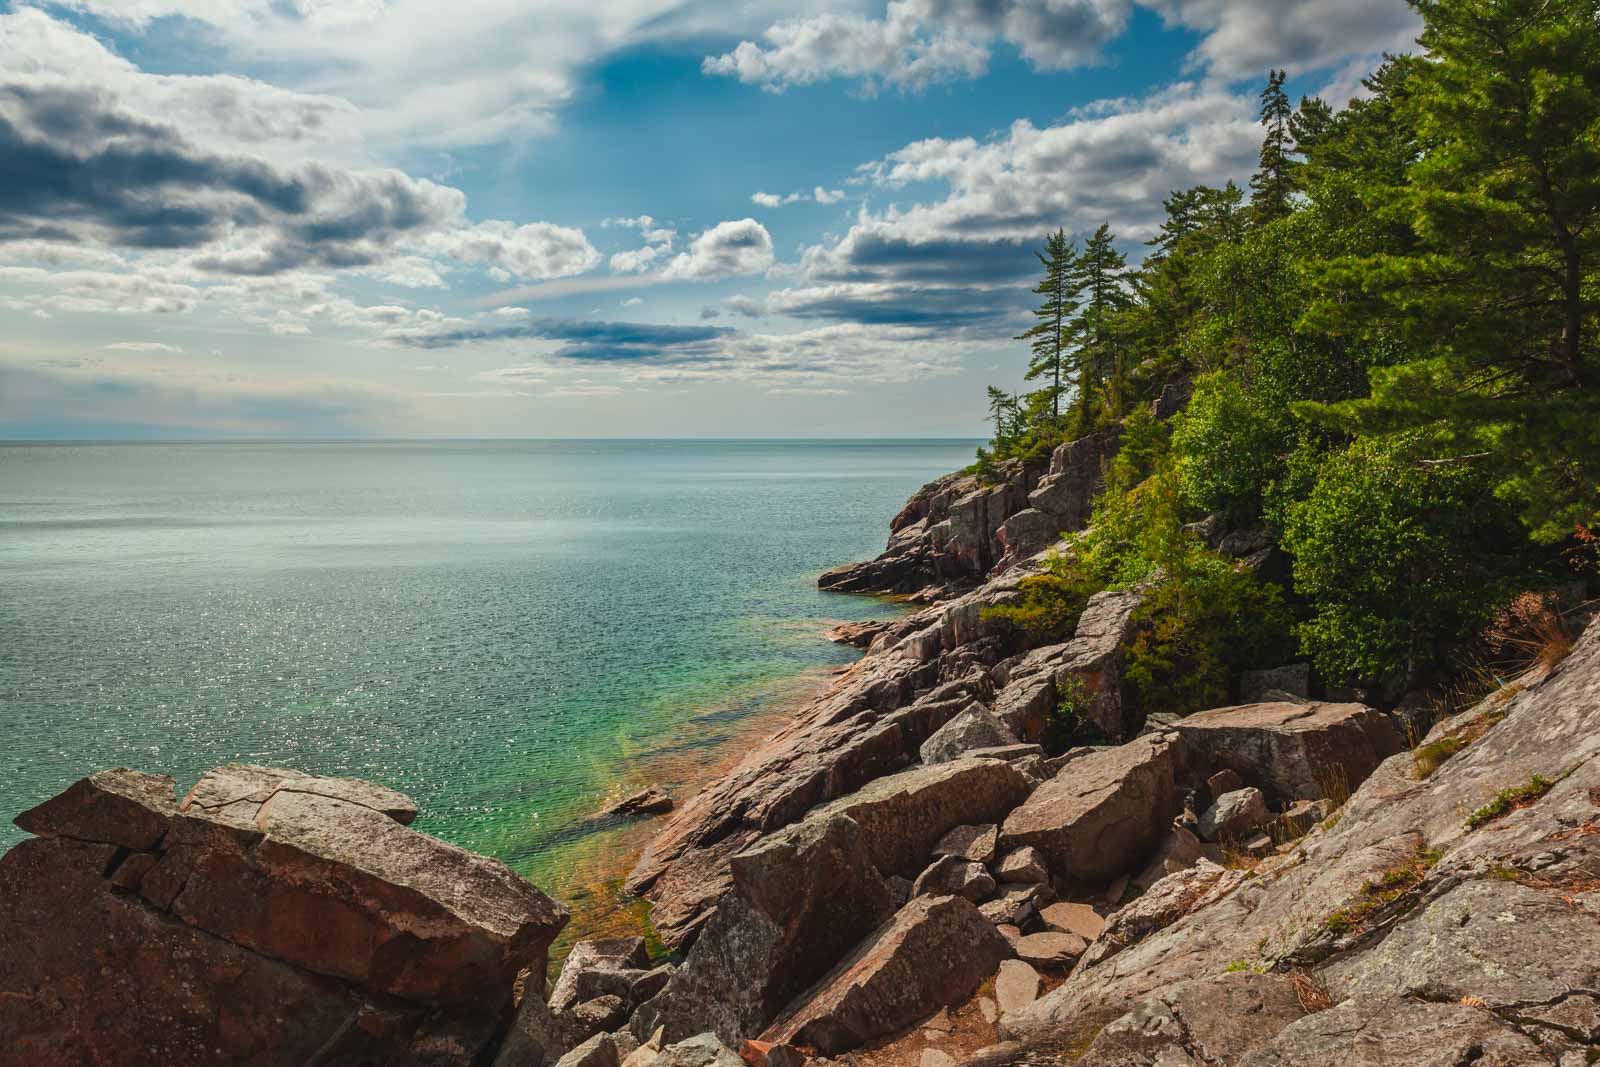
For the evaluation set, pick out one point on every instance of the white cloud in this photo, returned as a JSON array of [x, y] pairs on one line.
[[741, 246], [633, 302], [774, 200], [921, 42], [658, 244], [534, 251], [143, 346], [827, 196]]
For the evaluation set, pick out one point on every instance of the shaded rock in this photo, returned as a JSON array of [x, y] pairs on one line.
[[598, 1051], [1224, 781], [1291, 749], [1009, 753], [117, 807], [1052, 950], [975, 843], [1208, 1020], [1064, 498], [650, 801], [584, 1021], [1016, 985], [974, 728], [935, 952], [90, 973], [1026, 864], [952, 875], [1094, 660], [1102, 814], [1295, 679], [1166, 902], [1178, 851], [1234, 815], [899, 889], [1173, 398], [802, 898], [594, 968], [1068, 918]]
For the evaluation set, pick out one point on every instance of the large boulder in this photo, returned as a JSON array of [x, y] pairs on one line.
[[934, 953], [1293, 751], [597, 968], [345, 890], [1103, 813], [1233, 815], [802, 898], [904, 816], [191, 936]]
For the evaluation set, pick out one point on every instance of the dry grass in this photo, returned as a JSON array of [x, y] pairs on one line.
[[1376, 895], [1313, 997], [1531, 631]]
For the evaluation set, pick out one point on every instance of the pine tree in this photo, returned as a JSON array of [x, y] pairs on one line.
[[1097, 277], [1003, 409], [1495, 297], [1273, 182], [1050, 337]]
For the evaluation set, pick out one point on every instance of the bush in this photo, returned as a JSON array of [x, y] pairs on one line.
[[1050, 603], [1197, 630], [1394, 556], [1230, 446]]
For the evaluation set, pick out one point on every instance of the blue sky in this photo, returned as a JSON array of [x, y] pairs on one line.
[[563, 217]]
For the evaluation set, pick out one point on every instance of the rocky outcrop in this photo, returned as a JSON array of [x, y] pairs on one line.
[[1102, 814], [1292, 751], [1430, 924], [1064, 498], [935, 952], [1209, 1020], [271, 917], [649, 801]]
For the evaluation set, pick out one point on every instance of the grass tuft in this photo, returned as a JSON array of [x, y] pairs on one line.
[[1379, 893], [1508, 800]]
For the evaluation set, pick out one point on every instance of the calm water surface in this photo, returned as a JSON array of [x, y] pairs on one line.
[[508, 631]]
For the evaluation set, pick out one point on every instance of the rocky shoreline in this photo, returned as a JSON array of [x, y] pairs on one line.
[[902, 874]]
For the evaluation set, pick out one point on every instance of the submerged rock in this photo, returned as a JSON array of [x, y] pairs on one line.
[[651, 801]]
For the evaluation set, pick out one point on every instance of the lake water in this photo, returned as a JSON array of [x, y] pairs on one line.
[[510, 632]]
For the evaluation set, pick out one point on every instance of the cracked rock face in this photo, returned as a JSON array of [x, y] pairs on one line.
[[1206, 1021], [271, 915]]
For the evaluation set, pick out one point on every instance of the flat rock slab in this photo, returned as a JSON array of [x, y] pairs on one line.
[[1069, 918], [1052, 951], [1382, 1032], [935, 952], [116, 807], [1209, 1020], [1291, 749], [1102, 814], [954, 875], [235, 793], [1016, 985]]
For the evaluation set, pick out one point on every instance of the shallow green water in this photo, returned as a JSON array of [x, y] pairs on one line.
[[508, 631]]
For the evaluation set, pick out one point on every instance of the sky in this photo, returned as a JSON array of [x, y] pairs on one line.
[[537, 218]]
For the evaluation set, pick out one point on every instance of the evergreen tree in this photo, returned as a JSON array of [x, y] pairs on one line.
[[1050, 337], [1273, 182], [1497, 299], [1097, 278], [1003, 409]]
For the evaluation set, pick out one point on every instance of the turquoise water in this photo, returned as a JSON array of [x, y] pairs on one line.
[[508, 631]]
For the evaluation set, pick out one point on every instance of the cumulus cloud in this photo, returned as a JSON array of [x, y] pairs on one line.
[[959, 261], [658, 240], [921, 42], [536, 250], [819, 194], [741, 246]]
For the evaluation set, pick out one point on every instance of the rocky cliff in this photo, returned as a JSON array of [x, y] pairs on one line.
[[902, 873]]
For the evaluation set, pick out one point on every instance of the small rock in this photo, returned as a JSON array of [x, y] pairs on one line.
[[952, 875], [599, 1051], [651, 801], [1259, 845], [974, 728], [1006, 912], [1051, 950], [974, 843], [1226, 780], [1079, 919], [856, 634], [1234, 815], [1016, 985], [934, 1058], [702, 1050], [988, 1008], [1011, 932], [1179, 851], [1026, 864], [940, 1022], [785, 1056]]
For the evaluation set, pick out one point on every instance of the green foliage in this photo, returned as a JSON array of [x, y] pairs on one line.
[[1273, 183], [1050, 338], [1508, 799], [1393, 556], [1197, 630], [1069, 726], [1230, 446], [1048, 605]]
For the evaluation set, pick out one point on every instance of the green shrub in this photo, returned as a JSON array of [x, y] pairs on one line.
[[1230, 446], [1394, 555], [1196, 630], [1050, 603], [1068, 725]]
